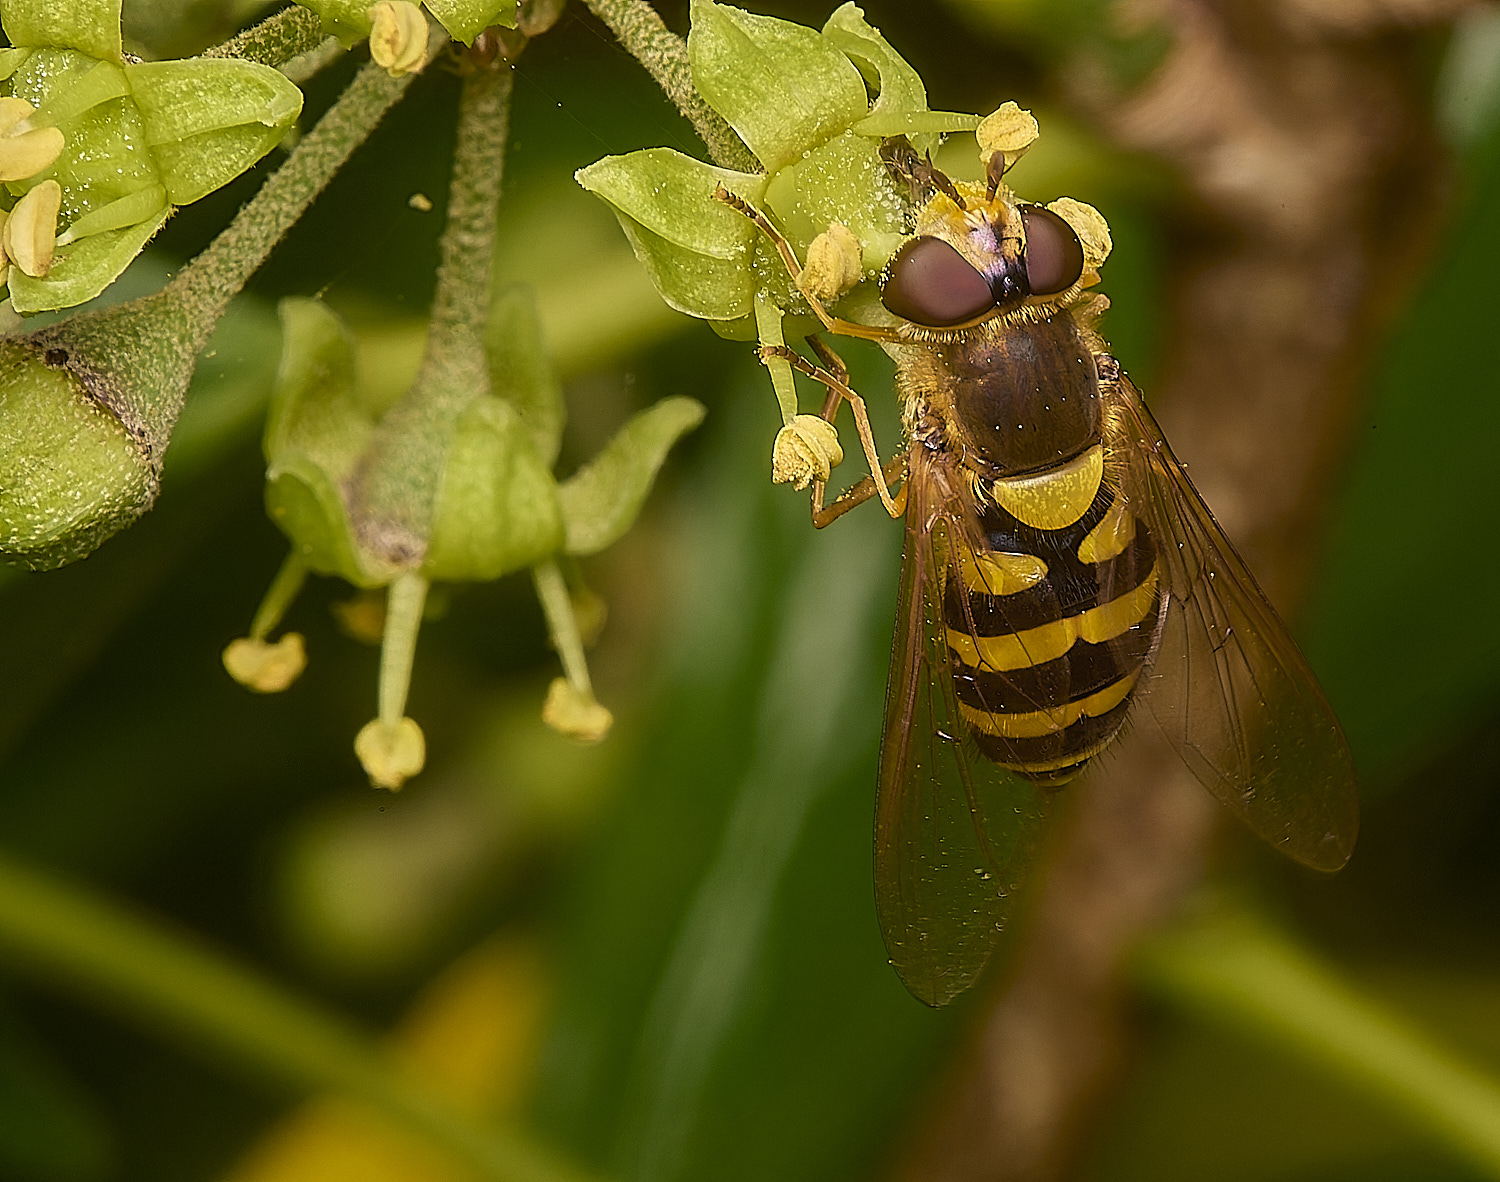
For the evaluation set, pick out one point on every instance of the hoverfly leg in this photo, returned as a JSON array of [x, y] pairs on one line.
[[833, 324], [857, 404], [857, 494]]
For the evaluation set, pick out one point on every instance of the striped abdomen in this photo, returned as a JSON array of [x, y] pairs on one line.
[[1048, 631]]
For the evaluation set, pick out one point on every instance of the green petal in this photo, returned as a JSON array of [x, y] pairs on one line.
[[784, 87], [348, 20], [842, 181], [307, 507], [206, 121], [315, 432], [521, 371], [900, 87], [84, 269], [497, 504], [882, 124], [466, 19], [90, 26], [697, 250], [601, 500], [314, 409], [672, 196]]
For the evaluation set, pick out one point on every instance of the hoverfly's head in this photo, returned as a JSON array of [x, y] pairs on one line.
[[977, 251]]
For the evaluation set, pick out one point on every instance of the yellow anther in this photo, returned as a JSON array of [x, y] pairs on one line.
[[12, 111], [806, 449], [264, 667], [1092, 230], [391, 754], [398, 37], [30, 233], [1010, 130], [29, 153], [575, 712], [835, 262]]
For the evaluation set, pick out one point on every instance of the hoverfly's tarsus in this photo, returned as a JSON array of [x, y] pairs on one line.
[[857, 494], [838, 389]]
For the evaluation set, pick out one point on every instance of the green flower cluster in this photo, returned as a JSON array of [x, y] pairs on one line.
[[400, 497], [96, 151], [801, 101]]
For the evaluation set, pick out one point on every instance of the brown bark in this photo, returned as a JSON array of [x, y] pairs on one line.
[[1299, 131]]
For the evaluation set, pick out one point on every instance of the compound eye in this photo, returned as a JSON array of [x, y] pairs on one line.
[[1054, 256], [930, 283]]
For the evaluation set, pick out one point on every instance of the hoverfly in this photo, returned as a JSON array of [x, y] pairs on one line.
[[1059, 568]]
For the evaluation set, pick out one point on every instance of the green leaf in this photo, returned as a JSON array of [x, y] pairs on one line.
[[521, 371], [497, 503], [90, 26], [85, 268], [784, 87], [206, 121], [466, 19], [696, 249], [602, 499]]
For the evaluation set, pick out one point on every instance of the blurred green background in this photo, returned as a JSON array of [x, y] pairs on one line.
[[660, 954]]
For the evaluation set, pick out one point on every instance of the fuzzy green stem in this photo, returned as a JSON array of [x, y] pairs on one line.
[[664, 54], [1232, 967], [398, 483], [562, 624], [161, 980], [279, 38], [279, 596], [398, 646]]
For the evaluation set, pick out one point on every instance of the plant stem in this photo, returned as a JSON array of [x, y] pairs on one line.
[[397, 486], [664, 54], [279, 38], [1230, 966], [161, 980]]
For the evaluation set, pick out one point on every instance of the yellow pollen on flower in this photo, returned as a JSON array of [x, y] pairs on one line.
[[398, 37]]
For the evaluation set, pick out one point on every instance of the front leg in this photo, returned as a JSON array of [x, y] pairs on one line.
[[839, 390], [845, 328]]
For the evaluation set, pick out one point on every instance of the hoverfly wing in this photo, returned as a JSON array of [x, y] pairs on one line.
[[1228, 686], [954, 833]]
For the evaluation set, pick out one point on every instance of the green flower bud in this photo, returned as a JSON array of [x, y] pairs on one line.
[[71, 473]]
